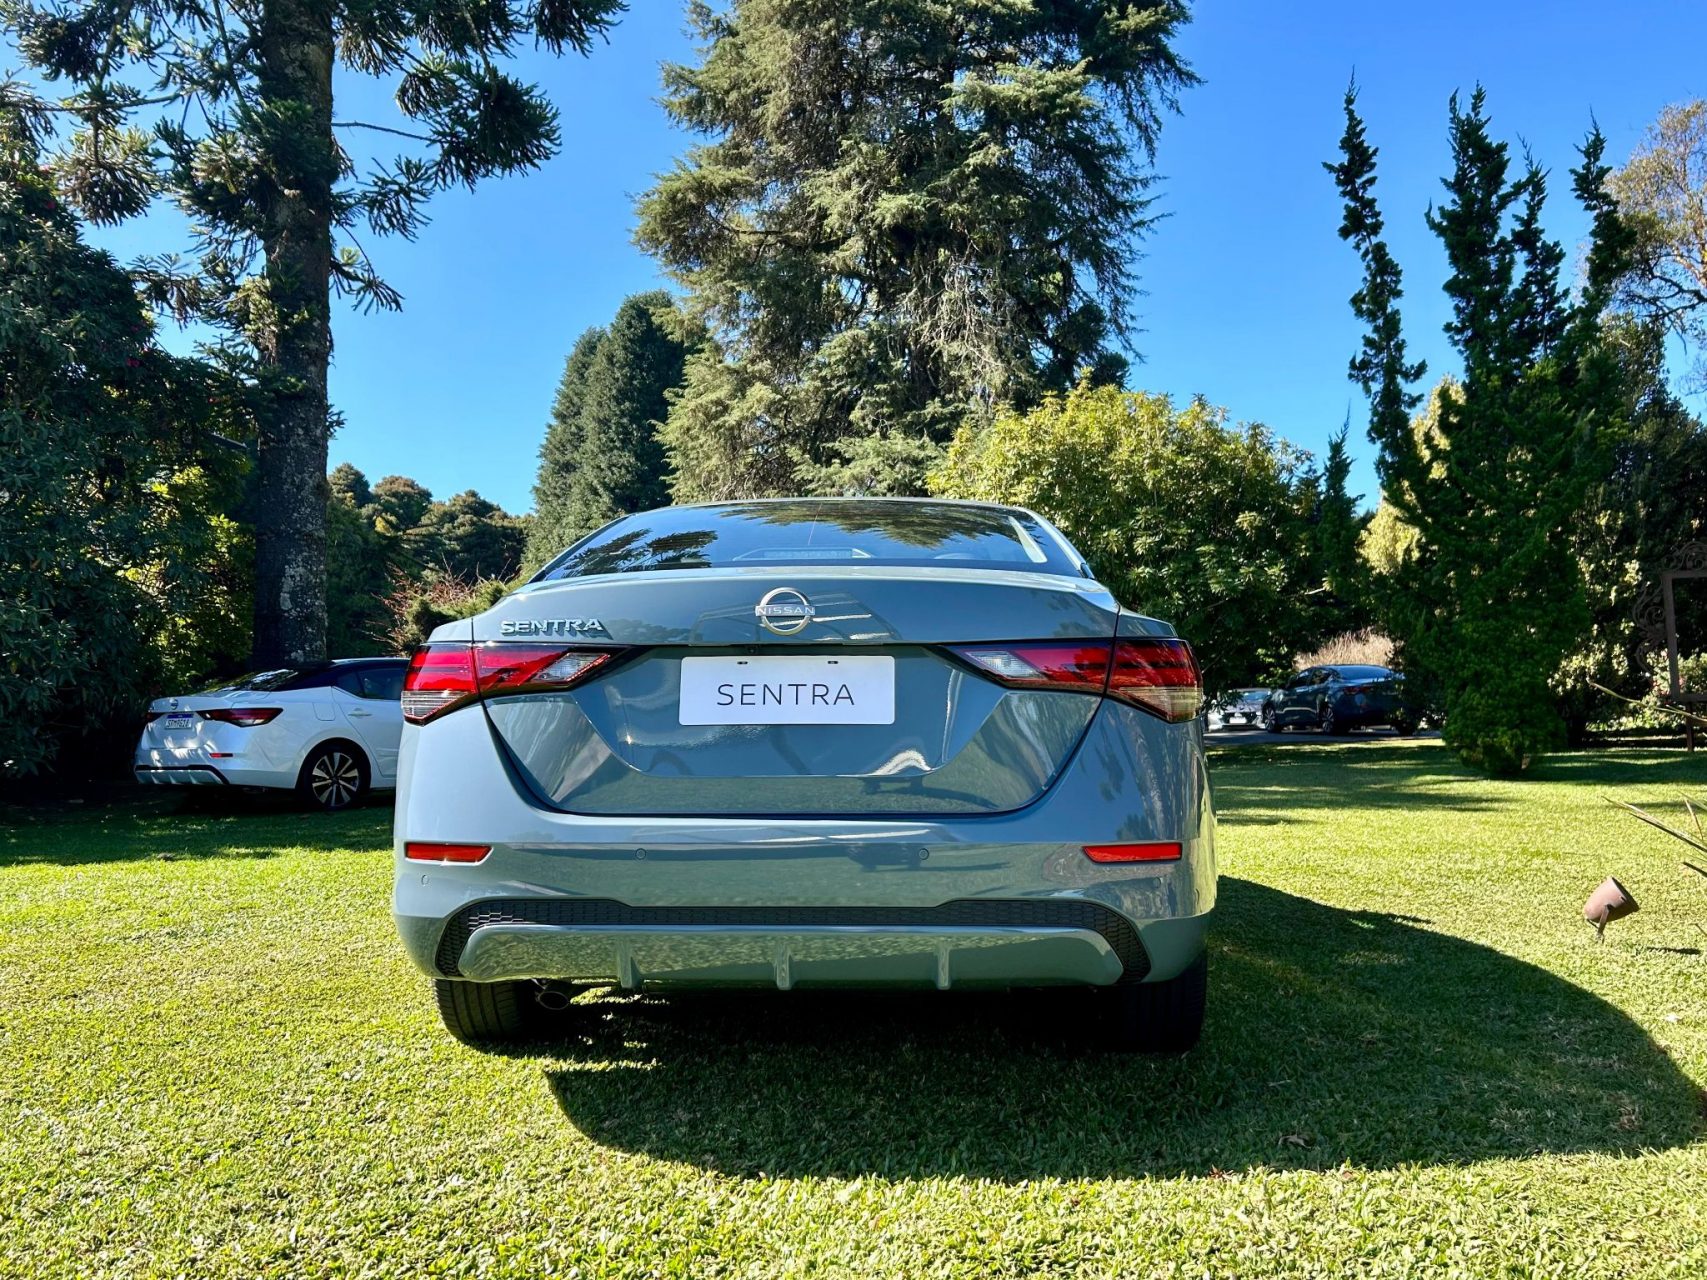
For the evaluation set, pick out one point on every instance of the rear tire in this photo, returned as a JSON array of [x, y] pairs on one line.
[[1328, 720], [1160, 1017], [489, 1013], [334, 777]]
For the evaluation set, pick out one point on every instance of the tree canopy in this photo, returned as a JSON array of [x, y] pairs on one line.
[[902, 212], [553, 526], [1184, 517], [1662, 192]]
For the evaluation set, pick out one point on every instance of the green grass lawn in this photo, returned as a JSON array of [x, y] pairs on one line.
[[214, 1061]]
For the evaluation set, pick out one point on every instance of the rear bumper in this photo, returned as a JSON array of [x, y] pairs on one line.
[[958, 944], [190, 775]]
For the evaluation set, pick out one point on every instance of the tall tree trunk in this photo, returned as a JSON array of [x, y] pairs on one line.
[[295, 341]]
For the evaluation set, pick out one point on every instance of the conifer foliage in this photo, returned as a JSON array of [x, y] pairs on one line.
[[602, 455], [902, 212], [1491, 599]]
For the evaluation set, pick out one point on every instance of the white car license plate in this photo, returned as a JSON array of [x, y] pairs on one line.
[[789, 689], [177, 722]]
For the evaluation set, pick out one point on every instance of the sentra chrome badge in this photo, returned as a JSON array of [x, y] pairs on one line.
[[548, 626], [783, 612]]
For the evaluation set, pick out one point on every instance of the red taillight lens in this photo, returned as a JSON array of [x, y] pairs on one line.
[[1154, 851], [1157, 673], [1044, 665], [421, 851], [507, 668], [442, 676], [243, 717], [149, 717]]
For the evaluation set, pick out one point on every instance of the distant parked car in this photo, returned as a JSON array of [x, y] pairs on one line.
[[328, 730], [1334, 699], [1239, 706]]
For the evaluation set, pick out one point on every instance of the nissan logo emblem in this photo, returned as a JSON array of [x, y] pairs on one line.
[[783, 612]]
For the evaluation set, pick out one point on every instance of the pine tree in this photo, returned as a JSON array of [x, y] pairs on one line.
[[623, 466], [904, 213], [1491, 599], [560, 455], [349, 484], [1335, 534], [228, 108]]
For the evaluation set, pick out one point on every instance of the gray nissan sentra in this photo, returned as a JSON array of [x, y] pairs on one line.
[[807, 743]]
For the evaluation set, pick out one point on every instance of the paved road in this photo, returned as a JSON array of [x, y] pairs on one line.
[[1240, 736]]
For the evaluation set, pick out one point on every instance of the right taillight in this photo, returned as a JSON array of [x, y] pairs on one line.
[[1156, 673], [445, 676]]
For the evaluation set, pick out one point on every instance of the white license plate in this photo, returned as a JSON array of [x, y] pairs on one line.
[[790, 689], [177, 722]]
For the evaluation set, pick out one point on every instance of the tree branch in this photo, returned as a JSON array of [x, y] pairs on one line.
[[380, 128]]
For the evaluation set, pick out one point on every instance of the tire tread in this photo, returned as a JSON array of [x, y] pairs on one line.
[[480, 1013]]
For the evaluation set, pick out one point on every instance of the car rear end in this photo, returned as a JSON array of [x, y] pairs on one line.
[[804, 744], [244, 734], [1370, 695]]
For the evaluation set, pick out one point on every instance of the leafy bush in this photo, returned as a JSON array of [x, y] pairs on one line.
[[414, 608], [121, 567], [1184, 517]]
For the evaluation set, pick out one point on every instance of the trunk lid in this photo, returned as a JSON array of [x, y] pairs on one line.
[[958, 742]]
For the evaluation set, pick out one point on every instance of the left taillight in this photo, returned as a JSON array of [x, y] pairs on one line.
[[445, 676], [1156, 673], [242, 717]]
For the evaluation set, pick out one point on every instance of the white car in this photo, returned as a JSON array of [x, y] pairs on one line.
[[328, 730], [1240, 706]]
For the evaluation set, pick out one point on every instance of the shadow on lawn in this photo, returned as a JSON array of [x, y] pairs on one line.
[[188, 827], [1333, 1036], [1380, 777]]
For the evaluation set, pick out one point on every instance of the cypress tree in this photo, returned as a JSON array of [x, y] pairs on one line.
[[1334, 536], [560, 455], [621, 466], [1492, 599]]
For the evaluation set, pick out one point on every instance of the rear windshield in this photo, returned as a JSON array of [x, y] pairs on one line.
[[275, 681], [817, 532], [1363, 673], [258, 681]]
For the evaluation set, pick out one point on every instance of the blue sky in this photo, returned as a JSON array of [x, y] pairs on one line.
[[1246, 281]]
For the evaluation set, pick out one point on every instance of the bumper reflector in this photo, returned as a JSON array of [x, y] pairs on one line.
[[420, 851], [1155, 851]]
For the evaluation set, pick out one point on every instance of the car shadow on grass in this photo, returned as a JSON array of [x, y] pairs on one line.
[[1334, 1036]]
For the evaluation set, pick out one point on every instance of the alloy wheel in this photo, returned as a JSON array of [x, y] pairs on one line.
[[334, 780]]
